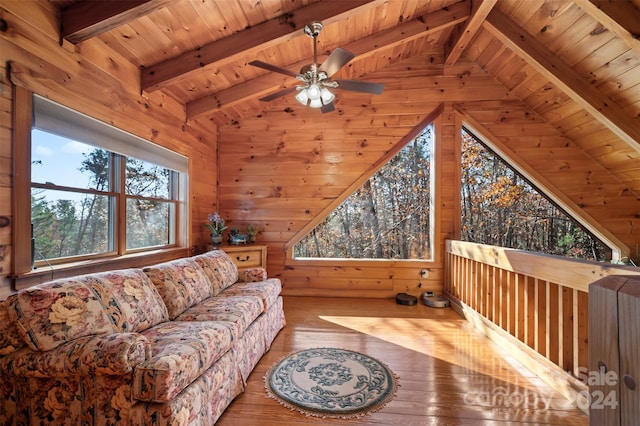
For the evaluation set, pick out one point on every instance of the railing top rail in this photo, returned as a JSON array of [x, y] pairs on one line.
[[574, 273]]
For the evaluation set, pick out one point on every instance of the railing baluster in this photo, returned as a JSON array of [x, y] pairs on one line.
[[575, 355], [494, 299], [542, 318], [521, 307], [582, 325], [503, 310], [528, 295], [554, 323], [567, 329], [530, 317]]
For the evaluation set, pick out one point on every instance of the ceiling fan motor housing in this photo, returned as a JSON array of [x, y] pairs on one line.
[[313, 29]]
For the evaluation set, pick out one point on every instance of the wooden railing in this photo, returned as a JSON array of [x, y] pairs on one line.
[[538, 303]]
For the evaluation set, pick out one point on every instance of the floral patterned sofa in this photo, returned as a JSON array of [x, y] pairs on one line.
[[170, 344]]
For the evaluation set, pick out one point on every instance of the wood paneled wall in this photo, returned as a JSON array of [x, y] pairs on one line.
[[286, 168], [106, 89]]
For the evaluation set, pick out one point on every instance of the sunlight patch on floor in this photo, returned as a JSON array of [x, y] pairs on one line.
[[455, 342]]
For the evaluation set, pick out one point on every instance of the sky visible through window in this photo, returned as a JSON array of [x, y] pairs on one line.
[[57, 160]]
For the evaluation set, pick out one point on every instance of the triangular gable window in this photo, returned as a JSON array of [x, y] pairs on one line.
[[500, 207], [388, 217]]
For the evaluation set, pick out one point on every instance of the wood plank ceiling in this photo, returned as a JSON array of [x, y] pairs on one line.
[[570, 71]]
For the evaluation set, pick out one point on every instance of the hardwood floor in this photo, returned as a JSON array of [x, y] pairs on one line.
[[450, 374]]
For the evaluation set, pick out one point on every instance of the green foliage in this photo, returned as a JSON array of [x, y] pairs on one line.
[[388, 217], [74, 222], [499, 207]]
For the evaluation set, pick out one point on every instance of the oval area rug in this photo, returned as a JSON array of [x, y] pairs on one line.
[[329, 382]]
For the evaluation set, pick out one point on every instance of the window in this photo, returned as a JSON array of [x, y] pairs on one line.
[[98, 191], [500, 207], [151, 204], [388, 217]]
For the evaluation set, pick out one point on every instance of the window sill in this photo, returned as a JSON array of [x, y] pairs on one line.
[[344, 262], [135, 260]]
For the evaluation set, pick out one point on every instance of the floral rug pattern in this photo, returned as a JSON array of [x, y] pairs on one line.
[[329, 382]]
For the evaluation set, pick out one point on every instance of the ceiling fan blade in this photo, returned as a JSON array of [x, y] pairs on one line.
[[327, 108], [338, 58], [360, 86], [273, 68], [278, 94]]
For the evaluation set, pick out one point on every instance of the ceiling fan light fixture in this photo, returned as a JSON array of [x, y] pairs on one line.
[[314, 96], [313, 91], [326, 96], [302, 96], [315, 103]]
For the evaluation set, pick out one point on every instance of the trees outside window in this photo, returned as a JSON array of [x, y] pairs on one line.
[[500, 207], [149, 189], [388, 217], [81, 195]]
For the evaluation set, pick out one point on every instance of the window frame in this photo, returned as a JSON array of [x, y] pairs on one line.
[[561, 202], [350, 193], [434, 118], [22, 271]]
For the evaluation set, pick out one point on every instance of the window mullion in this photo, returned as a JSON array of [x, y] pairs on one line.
[[55, 187], [173, 210], [121, 203]]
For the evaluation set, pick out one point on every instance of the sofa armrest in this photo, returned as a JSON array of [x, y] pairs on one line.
[[107, 354], [252, 275]]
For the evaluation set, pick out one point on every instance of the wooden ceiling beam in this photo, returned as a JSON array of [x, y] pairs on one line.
[[363, 48], [601, 107], [86, 19], [620, 17], [459, 40], [250, 41]]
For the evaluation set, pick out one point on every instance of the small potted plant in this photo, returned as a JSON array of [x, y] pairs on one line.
[[252, 231], [216, 225]]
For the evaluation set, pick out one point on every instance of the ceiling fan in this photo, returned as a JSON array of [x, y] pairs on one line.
[[315, 91]]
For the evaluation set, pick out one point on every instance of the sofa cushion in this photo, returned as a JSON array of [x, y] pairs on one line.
[[130, 297], [181, 352], [10, 339], [57, 312], [239, 311], [107, 354], [181, 284], [268, 290], [250, 275], [201, 403], [219, 268]]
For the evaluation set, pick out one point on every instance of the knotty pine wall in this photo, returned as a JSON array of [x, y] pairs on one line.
[[106, 88], [287, 167], [283, 168]]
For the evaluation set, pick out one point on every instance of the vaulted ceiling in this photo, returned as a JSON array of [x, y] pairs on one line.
[[570, 71]]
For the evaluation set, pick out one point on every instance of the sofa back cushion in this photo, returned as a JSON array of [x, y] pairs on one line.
[[10, 339], [181, 283], [57, 312], [219, 268], [130, 298]]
